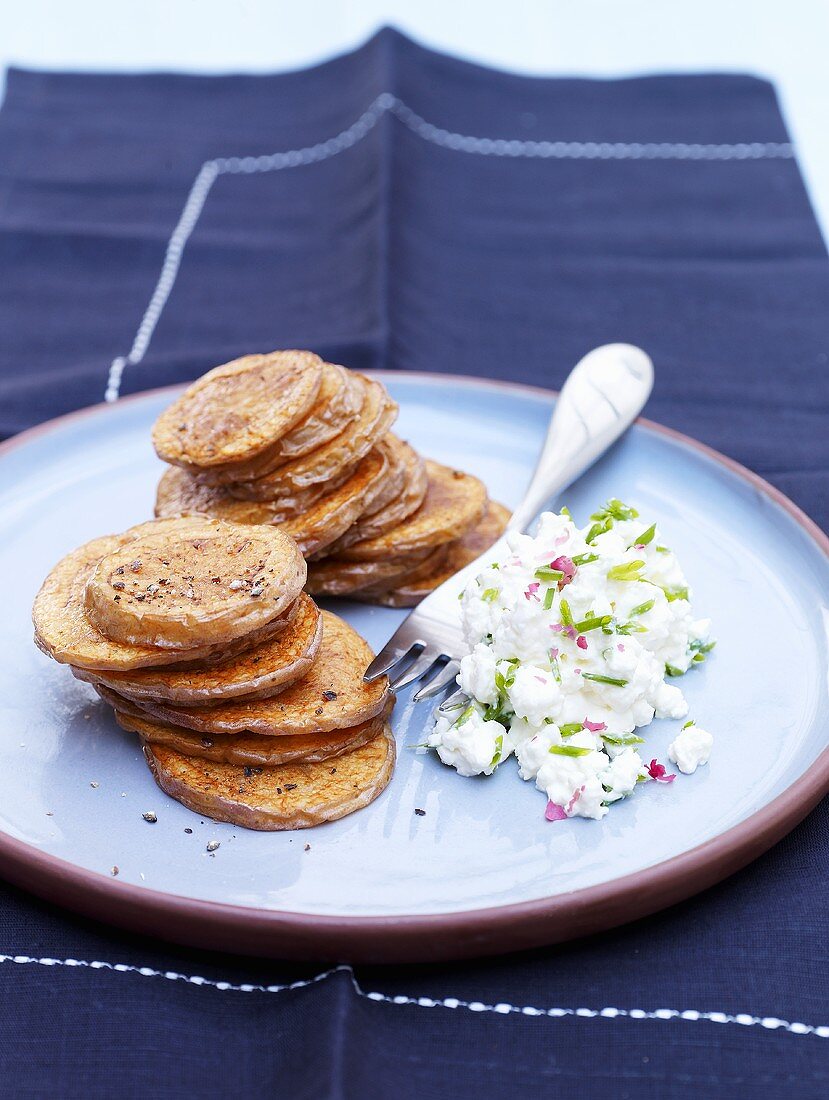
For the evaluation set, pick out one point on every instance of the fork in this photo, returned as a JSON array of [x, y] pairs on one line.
[[603, 395]]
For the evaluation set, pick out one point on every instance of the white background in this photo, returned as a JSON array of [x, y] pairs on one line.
[[786, 40]]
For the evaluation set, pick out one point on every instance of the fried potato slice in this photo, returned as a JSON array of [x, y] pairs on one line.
[[336, 577], [454, 501], [334, 513], [292, 505], [239, 409], [395, 479], [376, 417], [196, 582], [338, 402], [332, 696], [397, 506], [63, 631], [413, 589], [292, 796], [258, 673], [319, 524], [251, 750]]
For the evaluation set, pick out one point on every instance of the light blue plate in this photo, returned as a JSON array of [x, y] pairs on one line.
[[74, 786]]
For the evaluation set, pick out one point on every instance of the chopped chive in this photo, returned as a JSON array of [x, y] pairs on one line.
[[600, 528], [570, 728], [699, 646], [556, 671], [690, 722], [503, 682], [585, 559], [672, 670], [630, 628], [645, 537], [549, 596], [489, 594], [624, 739], [499, 748], [565, 511], [616, 509], [642, 608], [592, 623], [493, 713], [566, 614], [467, 714], [547, 573], [568, 750], [599, 679], [628, 571], [672, 594], [663, 550]]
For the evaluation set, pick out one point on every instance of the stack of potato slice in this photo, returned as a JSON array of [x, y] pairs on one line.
[[290, 441], [248, 700]]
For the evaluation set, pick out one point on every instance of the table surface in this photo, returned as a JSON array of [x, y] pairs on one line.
[[784, 42]]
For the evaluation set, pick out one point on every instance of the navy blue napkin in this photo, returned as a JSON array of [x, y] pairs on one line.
[[396, 208]]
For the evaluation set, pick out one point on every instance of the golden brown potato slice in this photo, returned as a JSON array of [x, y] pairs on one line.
[[257, 673], [251, 750], [376, 417], [194, 583], [317, 525], [287, 507], [395, 479], [411, 590], [332, 696], [334, 513], [397, 507], [454, 502], [239, 409], [63, 631], [293, 796], [338, 403], [336, 577]]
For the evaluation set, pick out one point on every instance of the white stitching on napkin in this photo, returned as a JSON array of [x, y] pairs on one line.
[[770, 1023], [447, 139]]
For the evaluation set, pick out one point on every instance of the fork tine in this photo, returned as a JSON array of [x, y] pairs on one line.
[[422, 666], [389, 657], [452, 702], [439, 683]]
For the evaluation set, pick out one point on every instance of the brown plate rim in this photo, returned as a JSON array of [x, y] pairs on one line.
[[426, 937]]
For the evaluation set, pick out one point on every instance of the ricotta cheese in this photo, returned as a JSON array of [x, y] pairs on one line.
[[691, 748], [575, 641]]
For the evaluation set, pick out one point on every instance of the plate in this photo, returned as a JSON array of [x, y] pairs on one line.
[[481, 871]]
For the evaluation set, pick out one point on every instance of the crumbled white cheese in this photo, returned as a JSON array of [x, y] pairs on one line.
[[570, 640], [471, 744], [691, 748]]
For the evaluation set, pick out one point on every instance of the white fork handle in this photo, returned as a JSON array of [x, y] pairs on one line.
[[601, 398]]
